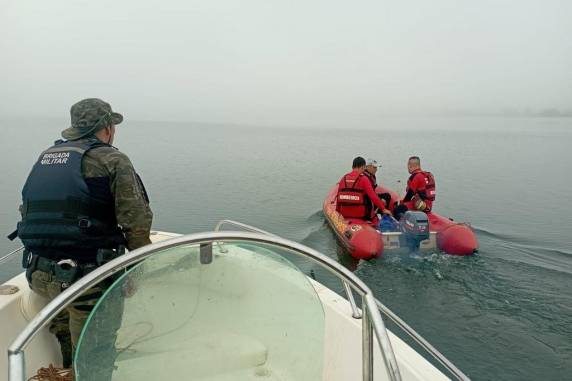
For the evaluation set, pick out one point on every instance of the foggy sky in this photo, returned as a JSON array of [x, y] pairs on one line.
[[284, 62]]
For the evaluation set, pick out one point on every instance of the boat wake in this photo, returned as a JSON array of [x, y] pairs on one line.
[[525, 250], [317, 216]]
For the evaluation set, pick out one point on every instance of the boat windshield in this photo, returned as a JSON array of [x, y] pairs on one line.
[[237, 310]]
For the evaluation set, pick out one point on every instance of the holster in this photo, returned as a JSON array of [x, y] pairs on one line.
[[26, 258], [106, 255], [29, 262], [67, 274]]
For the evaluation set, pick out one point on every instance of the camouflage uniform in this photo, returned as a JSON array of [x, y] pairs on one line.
[[131, 203], [131, 210]]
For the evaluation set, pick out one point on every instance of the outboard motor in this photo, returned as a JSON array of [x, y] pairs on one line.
[[415, 228]]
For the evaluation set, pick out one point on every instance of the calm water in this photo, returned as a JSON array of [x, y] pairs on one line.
[[503, 314]]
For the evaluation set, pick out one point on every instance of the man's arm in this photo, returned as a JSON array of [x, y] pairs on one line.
[[418, 185], [131, 205], [366, 185]]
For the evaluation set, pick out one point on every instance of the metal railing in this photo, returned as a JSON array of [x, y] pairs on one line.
[[372, 322], [10, 254], [438, 356], [249, 228], [357, 314]]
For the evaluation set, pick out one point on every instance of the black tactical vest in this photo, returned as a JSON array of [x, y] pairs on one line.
[[62, 211]]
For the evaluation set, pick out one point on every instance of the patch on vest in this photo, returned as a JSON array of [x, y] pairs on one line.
[[349, 197], [55, 158]]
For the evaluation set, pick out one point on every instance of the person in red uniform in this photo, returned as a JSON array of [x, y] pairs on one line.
[[370, 171], [356, 194], [420, 191]]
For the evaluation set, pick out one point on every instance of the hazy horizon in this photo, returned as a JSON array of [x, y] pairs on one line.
[[268, 62]]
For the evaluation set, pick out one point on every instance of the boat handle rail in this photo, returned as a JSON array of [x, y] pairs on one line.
[[372, 323], [250, 228]]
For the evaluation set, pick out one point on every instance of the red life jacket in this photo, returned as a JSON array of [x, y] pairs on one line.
[[351, 200], [427, 194]]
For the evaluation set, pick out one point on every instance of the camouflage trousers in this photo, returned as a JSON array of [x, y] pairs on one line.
[[68, 324]]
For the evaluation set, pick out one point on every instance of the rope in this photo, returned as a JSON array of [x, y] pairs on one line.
[[147, 335], [52, 373]]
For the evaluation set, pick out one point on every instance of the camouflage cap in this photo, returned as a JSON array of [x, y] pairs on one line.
[[88, 116]]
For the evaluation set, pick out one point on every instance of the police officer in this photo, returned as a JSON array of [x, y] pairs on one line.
[[82, 204]]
